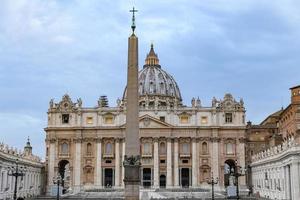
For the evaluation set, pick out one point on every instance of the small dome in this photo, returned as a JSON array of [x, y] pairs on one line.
[[154, 81]]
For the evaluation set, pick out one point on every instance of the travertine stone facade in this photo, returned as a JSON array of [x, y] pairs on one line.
[[180, 145], [32, 182]]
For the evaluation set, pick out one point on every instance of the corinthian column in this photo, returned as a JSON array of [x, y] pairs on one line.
[[215, 156], [51, 164], [123, 169], [169, 163], [241, 156], [194, 163], [156, 164], [77, 166], [117, 163], [176, 170], [98, 178]]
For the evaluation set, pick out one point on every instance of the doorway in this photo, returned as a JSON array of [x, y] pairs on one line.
[[108, 177], [162, 181], [185, 177], [229, 170], [146, 177]]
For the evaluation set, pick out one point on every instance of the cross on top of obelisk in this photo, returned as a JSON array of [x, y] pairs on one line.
[[133, 19]]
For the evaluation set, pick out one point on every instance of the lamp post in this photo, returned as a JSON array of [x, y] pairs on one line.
[[237, 173], [16, 172], [57, 180], [212, 181]]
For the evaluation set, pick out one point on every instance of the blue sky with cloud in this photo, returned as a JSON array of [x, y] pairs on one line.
[[249, 48]]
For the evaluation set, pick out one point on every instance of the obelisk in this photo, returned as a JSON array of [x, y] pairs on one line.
[[132, 141]]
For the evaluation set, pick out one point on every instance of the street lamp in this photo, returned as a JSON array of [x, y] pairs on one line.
[[237, 173], [16, 172], [212, 181], [58, 181]]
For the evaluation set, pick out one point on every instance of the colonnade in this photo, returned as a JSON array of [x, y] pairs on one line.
[[172, 167]]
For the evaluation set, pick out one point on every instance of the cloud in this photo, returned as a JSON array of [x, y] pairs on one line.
[[47, 48]]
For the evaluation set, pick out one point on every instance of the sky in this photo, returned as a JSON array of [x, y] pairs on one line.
[[249, 48]]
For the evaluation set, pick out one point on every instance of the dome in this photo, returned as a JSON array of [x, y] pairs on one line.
[[154, 81]]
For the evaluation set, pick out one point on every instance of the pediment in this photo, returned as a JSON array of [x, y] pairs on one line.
[[147, 121]]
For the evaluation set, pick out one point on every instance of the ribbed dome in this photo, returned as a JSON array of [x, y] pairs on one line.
[[154, 81]]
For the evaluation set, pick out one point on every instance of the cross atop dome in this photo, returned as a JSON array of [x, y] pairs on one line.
[[152, 58]]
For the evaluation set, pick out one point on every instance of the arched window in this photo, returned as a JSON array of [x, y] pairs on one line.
[[147, 148], [204, 148], [186, 148], [108, 148], [162, 148], [64, 148], [89, 149]]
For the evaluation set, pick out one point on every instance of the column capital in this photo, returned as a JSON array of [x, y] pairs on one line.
[[77, 140], [52, 140], [169, 139], [215, 139], [99, 139], [242, 140], [155, 139]]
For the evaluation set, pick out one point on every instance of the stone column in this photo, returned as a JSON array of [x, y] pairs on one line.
[[77, 166], [51, 164], [156, 164], [241, 156], [169, 163], [117, 163], [287, 182], [194, 163], [282, 186], [98, 178], [123, 169], [295, 180], [215, 157], [176, 168]]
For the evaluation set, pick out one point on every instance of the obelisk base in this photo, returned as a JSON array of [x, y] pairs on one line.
[[132, 179]]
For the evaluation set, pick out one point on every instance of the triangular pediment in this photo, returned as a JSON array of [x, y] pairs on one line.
[[147, 121]]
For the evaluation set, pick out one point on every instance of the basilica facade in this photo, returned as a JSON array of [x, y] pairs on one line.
[[181, 146]]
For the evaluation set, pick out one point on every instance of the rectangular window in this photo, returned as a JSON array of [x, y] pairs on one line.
[[185, 161], [109, 120], [228, 117], [65, 118], [184, 119], [162, 161], [89, 120], [204, 120], [162, 118], [229, 148]]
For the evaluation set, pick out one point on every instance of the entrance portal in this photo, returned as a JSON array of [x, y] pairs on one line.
[[108, 177], [229, 170], [162, 181], [64, 172], [147, 177], [185, 177]]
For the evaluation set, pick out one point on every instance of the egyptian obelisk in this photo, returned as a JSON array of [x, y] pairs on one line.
[[132, 147]]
